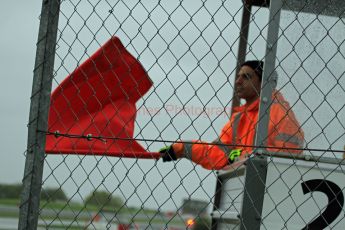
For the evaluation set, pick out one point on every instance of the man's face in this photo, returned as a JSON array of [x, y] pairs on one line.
[[248, 84]]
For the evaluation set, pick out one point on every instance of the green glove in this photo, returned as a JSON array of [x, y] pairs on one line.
[[234, 154], [168, 153]]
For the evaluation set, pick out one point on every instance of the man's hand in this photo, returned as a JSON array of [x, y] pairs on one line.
[[168, 153]]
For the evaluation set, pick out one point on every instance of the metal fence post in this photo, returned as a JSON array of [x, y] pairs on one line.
[[257, 168], [242, 46], [253, 194], [40, 99], [268, 79]]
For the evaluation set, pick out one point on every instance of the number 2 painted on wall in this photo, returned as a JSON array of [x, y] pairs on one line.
[[335, 202]]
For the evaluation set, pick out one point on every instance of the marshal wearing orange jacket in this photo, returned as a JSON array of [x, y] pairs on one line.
[[237, 136]]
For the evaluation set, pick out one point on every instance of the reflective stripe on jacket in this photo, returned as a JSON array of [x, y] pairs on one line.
[[284, 132]]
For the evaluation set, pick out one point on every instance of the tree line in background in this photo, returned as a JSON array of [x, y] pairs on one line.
[[103, 200], [96, 198]]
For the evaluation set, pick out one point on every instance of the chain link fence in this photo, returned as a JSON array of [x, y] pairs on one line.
[[191, 52]]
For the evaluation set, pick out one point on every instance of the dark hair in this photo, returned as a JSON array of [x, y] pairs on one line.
[[256, 65]]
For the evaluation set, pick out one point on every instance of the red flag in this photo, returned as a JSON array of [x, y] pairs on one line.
[[98, 100]]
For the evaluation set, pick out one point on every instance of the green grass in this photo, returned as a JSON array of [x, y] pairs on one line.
[[59, 205], [12, 202], [77, 207], [56, 226]]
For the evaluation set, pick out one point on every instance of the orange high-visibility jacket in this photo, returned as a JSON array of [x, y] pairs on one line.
[[284, 132]]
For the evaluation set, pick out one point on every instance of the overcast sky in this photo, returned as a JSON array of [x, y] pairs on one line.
[[19, 21]]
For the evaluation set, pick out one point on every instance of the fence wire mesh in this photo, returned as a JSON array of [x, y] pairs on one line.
[[190, 51]]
